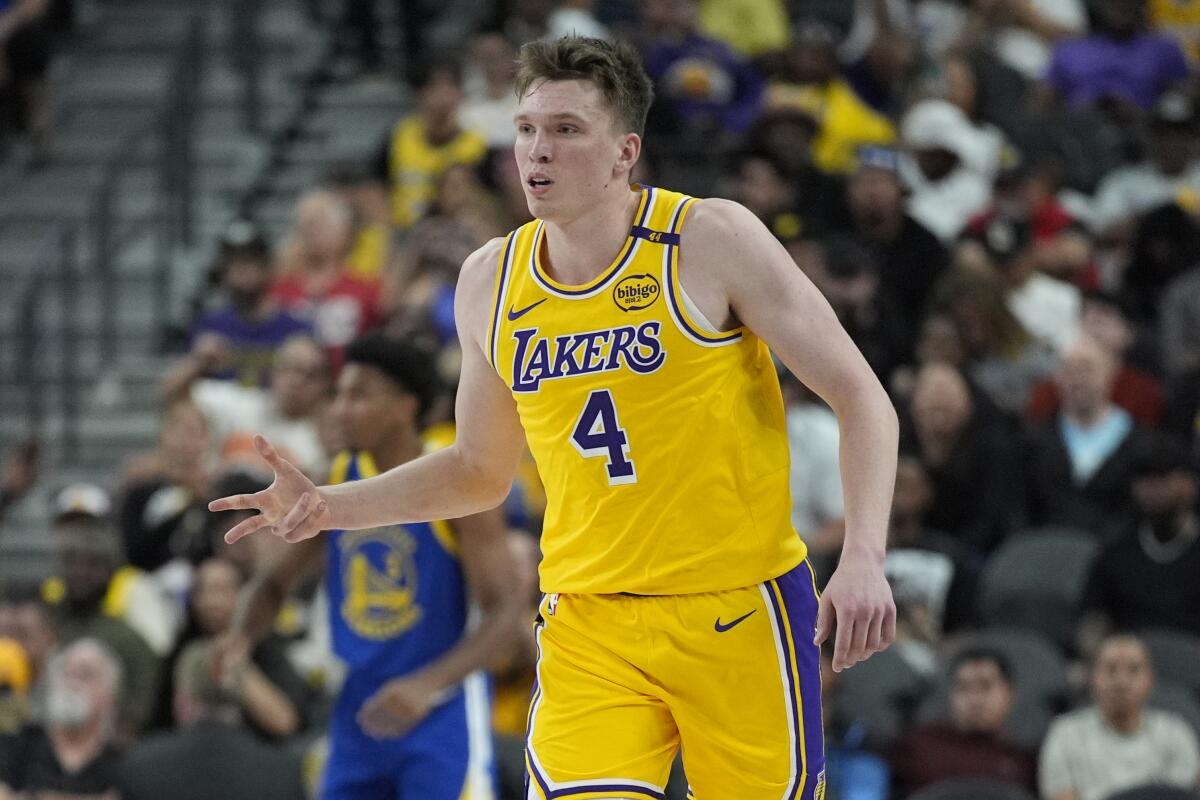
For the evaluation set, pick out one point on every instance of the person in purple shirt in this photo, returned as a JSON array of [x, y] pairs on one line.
[[704, 84], [1122, 61], [241, 335]]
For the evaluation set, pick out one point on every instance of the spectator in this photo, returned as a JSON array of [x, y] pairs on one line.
[[848, 275], [1121, 62], [1180, 328], [315, 282], [952, 167], [969, 463], [1003, 360], [96, 599], [370, 210], [812, 86], [35, 630], [910, 257], [237, 340], [1046, 307], [704, 89], [1165, 245], [424, 144], [780, 202], [1118, 743], [24, 59], [852, 771], [1180, 20], [20, 473], [14, 684], [268, 692], [1157, 545], [163, 491], [1022, 34], [971, 744], [211, 755], [1138, 392], [490, 92], [1078, 464], [72, 753], [301, 383], [931, 574], [1169, 171]]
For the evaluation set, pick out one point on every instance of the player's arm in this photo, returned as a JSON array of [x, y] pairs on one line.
[[494, 585], [472, 475], [732, 257]]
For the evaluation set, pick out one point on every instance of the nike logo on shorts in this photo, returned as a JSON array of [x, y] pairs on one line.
[[721, 628], [513, 316]]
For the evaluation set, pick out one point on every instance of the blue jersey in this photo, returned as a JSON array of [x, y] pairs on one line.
[[397, 597]]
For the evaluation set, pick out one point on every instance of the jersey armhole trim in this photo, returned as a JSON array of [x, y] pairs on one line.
[[503, 270], [676, 303]]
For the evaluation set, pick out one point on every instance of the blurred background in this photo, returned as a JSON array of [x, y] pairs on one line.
[[202, 202]]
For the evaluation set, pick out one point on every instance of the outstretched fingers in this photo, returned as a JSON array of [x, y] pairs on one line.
[[246, 527], [237, 502]]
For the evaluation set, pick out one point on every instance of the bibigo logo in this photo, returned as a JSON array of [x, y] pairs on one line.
[[636, 292]]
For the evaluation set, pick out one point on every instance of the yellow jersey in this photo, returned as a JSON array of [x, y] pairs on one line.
[[415, 165], [661, 442]]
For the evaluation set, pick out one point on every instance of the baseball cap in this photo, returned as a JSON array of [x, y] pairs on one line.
[[1004, 238], [938, 125], [83, 499], [876, 157]]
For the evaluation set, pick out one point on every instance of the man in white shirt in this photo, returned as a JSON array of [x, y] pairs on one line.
[[1117, 743]]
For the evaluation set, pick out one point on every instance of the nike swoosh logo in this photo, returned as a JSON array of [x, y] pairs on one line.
[[719, 628], [513, 316]]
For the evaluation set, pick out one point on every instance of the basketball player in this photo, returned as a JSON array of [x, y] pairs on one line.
[[624, 334], [412, 718]]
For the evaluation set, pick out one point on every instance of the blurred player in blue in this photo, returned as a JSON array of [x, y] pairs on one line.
[[413, 717]]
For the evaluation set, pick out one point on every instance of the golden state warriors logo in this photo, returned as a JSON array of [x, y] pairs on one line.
[[636, 292], [380, 576]]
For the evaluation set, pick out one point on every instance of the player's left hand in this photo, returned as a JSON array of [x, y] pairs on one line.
[[859, 599], [396, 708]]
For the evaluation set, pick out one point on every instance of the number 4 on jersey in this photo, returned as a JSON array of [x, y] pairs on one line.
[[597, 433]]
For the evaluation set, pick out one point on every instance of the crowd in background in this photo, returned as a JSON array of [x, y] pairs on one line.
[[1001, 201]]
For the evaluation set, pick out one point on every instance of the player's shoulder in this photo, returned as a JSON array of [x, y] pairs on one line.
[[478, 272], [715, 218]]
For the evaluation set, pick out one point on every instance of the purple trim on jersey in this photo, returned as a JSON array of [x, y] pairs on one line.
[[613, 272], [500, 292], [800, 602], [679, 315]]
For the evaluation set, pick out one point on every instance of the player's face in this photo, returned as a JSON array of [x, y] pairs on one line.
[[567, 150], [1122, 679], [980, 699], [370, 409]]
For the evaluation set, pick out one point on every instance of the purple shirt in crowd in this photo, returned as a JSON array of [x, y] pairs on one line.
[[1138, 69], [253, 343], [704, 78]]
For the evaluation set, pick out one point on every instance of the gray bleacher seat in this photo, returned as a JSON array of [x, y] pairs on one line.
[[1175, 656], [1035, 580], [971, 790], [882, 692], [1178, 700]]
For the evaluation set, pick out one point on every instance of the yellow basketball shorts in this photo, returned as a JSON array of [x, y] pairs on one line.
[[623, 682]]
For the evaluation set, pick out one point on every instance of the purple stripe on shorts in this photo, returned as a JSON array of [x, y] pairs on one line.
[[800, 600]]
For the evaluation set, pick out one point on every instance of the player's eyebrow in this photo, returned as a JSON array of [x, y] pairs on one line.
[[557, 117]]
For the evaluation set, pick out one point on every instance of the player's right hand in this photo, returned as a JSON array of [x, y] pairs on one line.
[[291, 508]]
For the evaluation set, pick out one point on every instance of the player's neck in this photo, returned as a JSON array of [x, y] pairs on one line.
[[577, 251], [398, 451]]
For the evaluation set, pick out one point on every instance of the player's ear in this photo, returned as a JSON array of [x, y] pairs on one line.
[[627, 156]]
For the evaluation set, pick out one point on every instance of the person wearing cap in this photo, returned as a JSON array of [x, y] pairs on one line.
[[950, 170], [1156, 544], [237, 339], [911, 259], [811, 85], [1169, 171], [96, 594]]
